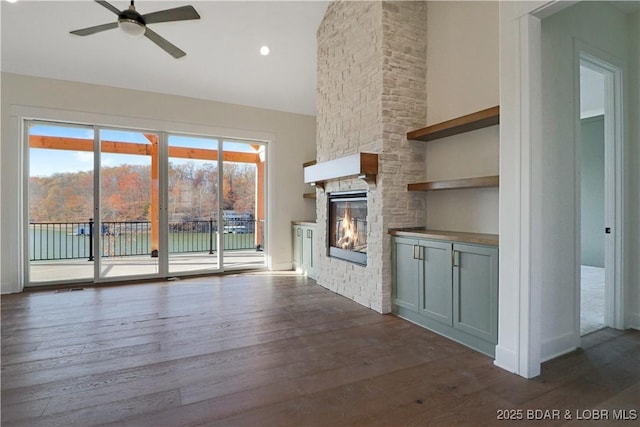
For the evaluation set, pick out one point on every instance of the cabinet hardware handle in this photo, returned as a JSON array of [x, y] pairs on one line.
[[453, 259], [298, 232], [421, 252], [416, 255]]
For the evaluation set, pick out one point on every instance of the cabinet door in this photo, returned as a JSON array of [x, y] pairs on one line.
[[307, 250], [435, 293], [475, 290], [406, 274], [297, 246]]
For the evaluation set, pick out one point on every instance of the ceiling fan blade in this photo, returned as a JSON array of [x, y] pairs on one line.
[[96, 29], [108, 6], [183, 13], [170, 48]]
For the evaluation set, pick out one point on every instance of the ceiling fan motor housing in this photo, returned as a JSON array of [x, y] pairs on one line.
[[131, 22]]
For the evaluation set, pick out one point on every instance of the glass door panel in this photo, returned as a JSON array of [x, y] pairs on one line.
[[60, 203], [243, 186], [193, 204], [128, 226]]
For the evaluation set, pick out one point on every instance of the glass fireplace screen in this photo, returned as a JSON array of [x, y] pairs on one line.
[[348, 227]]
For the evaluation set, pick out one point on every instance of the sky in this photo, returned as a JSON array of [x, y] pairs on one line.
[[45, 162]]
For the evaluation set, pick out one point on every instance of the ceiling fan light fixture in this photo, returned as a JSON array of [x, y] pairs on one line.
[[135, 25], [131, 27]]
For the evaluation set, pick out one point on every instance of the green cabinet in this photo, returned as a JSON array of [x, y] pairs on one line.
[[423, 277], [297, 245], [303, 248], [435, 288], [448, 287], [475, 291], [407, 272], [308, 232]]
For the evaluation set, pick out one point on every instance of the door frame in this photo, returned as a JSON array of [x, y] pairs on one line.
[[23, 114], [221, 141], [519, 334], [97, 206], [164, 205], [612, 70]]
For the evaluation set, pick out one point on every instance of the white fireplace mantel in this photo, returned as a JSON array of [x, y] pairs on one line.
[[360, 165]]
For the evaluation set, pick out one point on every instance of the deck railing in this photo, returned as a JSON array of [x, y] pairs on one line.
[[74, 240]]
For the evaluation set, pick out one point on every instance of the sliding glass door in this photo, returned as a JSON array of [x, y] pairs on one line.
[[128, 229], [193, 204], [243, 188], [110, 204], [60, 192]]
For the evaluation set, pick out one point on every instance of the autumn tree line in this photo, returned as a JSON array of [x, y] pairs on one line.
[[126, 193]]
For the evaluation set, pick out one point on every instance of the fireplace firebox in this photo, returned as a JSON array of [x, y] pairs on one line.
[[347, 237]]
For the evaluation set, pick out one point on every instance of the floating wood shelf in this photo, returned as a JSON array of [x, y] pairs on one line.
[[360, 165], [477, 120], [309, 195], [452, 184]]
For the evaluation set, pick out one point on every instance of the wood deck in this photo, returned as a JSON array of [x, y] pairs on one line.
[[272, 349]]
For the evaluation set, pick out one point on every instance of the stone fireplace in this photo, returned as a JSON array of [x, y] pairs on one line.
[[347, 216], [371, 90]]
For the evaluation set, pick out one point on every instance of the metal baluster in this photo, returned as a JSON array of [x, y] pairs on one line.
[[210, 236], [90, 239]]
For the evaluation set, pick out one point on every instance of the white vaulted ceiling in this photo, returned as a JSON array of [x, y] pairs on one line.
[[223, 61]]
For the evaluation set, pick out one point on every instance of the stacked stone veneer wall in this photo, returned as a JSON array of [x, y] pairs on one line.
[[371, 91]]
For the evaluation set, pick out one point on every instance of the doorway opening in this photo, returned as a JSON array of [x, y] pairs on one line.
[[592, 196], [599, 147]]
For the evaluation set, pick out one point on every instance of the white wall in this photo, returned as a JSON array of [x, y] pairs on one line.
[[462, 78], [557, 177], [462, 58], [292, 139]]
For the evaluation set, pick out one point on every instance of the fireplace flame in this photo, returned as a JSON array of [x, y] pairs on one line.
[[349, 239]]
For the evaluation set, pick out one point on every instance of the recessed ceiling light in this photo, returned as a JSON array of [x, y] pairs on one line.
[[264, 50], [12, 1]]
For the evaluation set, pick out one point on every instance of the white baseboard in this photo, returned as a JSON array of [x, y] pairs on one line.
[[506, 359], [10, 289], [283, 266], [633, 321], [558, 345]]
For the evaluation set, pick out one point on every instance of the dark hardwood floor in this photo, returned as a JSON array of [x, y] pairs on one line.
[[271, 350]]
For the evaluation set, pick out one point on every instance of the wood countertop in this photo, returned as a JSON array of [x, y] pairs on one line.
[[303, 223], [455, 236]]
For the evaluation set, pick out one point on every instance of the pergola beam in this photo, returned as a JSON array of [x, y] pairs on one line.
[[119, 147]]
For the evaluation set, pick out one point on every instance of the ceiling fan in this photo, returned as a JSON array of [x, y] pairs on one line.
[[134, 24]]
